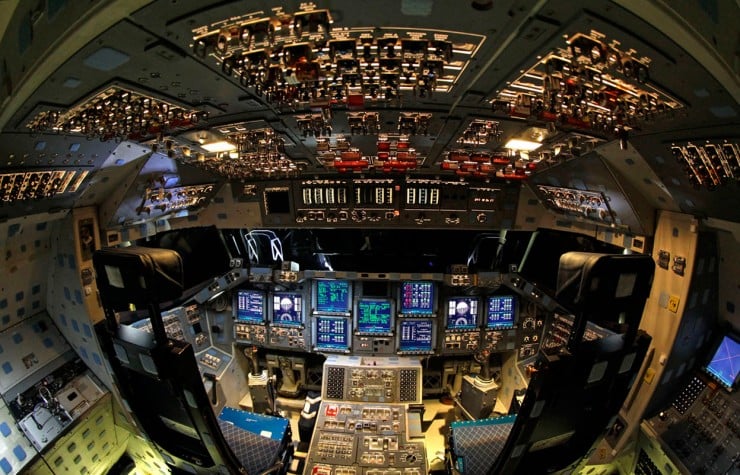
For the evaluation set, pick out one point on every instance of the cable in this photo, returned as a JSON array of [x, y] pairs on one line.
[[39, 426]]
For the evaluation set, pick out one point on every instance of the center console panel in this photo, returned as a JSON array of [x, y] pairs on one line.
[[365, 424]]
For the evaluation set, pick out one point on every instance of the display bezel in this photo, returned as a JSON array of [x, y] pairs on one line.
[[316, 310], [451, 304], [358, 327], [322, 347], [403, 310], [275, 308], [711, 366], [488, 324], [399, 336], [249, 320]]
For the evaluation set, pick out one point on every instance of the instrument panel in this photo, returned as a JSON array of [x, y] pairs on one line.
[[387, 201], [699, 431], [365, 424], [186, 323], [296, 324], [345, 315]]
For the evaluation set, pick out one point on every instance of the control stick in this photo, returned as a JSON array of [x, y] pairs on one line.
[[483, 357], [251, 353]]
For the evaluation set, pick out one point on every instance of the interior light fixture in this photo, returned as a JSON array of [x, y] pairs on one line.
[[521, 144], [220, 146]]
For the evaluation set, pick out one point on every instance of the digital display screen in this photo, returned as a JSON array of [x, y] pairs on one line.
[[332, 333], [417, 298], [418, 195], [374, 316], [333, 296], [375, 194], [500, 311], [415, 335], [462, 313], [287, 309], [250, 306], [725, 363]]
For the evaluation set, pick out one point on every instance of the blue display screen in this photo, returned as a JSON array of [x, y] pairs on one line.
[[416, 336], [332, 333], [287, 309], [417, 298], [250, 306], [332, 296], [500, 311], [462, 313], [374, 316], [725, 363]]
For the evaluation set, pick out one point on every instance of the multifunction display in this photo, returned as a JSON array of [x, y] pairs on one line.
[[333, 296], [332, 333], [374, 316], [500, 311], [462, 313], [415, 336], [417, 298], [250, 306], [287, 309]]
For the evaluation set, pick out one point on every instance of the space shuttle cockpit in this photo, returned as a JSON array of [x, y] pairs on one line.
[[319, 238], [406, 371]]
